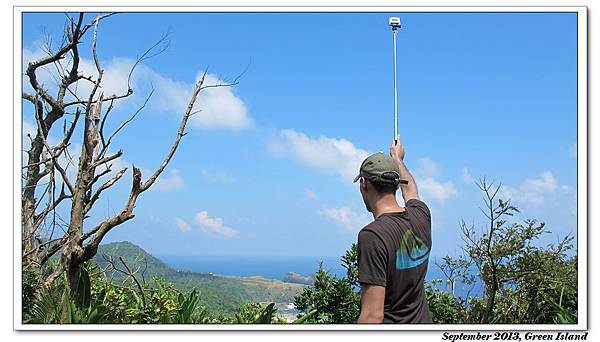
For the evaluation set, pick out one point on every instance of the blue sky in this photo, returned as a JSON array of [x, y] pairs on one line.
[[267, 165]]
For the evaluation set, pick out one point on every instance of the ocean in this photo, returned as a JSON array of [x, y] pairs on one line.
[[277, 268], [248, 266], [270, 267]]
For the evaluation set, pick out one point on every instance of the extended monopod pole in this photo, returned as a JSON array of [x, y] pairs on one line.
[[395, 24]]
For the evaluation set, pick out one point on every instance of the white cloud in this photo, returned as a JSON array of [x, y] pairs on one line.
[[116, 72], [45, 75], [439, 191], [219, 108], [532, 191], [31, 129], [341, 157], [546, 183], [216, 107], [428, 167], [69, 162], [328, 155], [182, 225], [573, 151], [167, 183], [310, 194], [214, 225], [429, 186], [519, 195], [217, 176], [466, 176], [114, 79], [154, 219], [346, 218]]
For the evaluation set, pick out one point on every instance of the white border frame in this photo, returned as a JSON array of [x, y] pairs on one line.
[[582, 169]]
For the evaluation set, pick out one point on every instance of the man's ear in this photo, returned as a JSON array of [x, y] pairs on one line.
[[363, 184]]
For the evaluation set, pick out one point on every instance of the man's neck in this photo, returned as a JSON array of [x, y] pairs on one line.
[[386, 204]]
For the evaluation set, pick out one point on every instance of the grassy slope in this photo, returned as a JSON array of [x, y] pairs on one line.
[[217, 293]]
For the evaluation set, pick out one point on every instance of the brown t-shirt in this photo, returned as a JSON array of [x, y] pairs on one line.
[[393, 251]]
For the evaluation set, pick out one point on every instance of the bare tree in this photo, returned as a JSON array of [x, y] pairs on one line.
[[128, 273], [46, 167], [488, 252], [456, 270]]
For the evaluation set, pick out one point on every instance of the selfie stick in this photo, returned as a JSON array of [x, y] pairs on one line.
[[395, 24]]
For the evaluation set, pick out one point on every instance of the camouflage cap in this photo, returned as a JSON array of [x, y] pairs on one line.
[[380, 168]]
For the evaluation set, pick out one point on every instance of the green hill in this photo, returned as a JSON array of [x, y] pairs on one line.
[[217, 293], [133, 255]]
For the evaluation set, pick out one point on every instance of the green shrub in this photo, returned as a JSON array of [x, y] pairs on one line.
[[331, 299]]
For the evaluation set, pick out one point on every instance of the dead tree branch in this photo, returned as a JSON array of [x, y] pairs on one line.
[[78, 244]]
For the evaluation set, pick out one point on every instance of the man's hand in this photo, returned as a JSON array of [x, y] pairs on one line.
[[396, 149], [409, 191]]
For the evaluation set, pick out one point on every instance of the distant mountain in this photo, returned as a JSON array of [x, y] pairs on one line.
[[217, 293], [293, 277], [133, 255]]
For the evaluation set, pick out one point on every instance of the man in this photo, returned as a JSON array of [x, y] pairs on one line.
[[393, 250]]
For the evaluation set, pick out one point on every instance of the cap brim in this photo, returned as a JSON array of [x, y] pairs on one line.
[[356, 179]]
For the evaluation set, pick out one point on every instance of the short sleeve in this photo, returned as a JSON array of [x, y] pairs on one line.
[[372, 259], [421, 207]]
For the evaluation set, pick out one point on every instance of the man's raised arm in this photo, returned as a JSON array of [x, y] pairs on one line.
[[409, 191]]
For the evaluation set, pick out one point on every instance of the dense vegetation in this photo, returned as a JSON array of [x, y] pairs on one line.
[[521, 283], [218, 293], [101, 301]]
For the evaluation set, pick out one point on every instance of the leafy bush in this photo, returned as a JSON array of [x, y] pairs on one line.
[[30, 282], [257, 313], [522, 282], [58, 305], [444, 307], [331, 299], [102, 301]]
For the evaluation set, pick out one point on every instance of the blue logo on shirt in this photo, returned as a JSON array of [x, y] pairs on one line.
[[412, 252]]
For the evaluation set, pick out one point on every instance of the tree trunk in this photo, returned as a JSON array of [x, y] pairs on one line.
[[75, 246], [30, 239], [73, 251]]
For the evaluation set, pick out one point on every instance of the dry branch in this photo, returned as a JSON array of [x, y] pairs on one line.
[[78, 244]]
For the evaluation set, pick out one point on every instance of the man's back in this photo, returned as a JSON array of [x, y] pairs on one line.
[[393, 252]]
